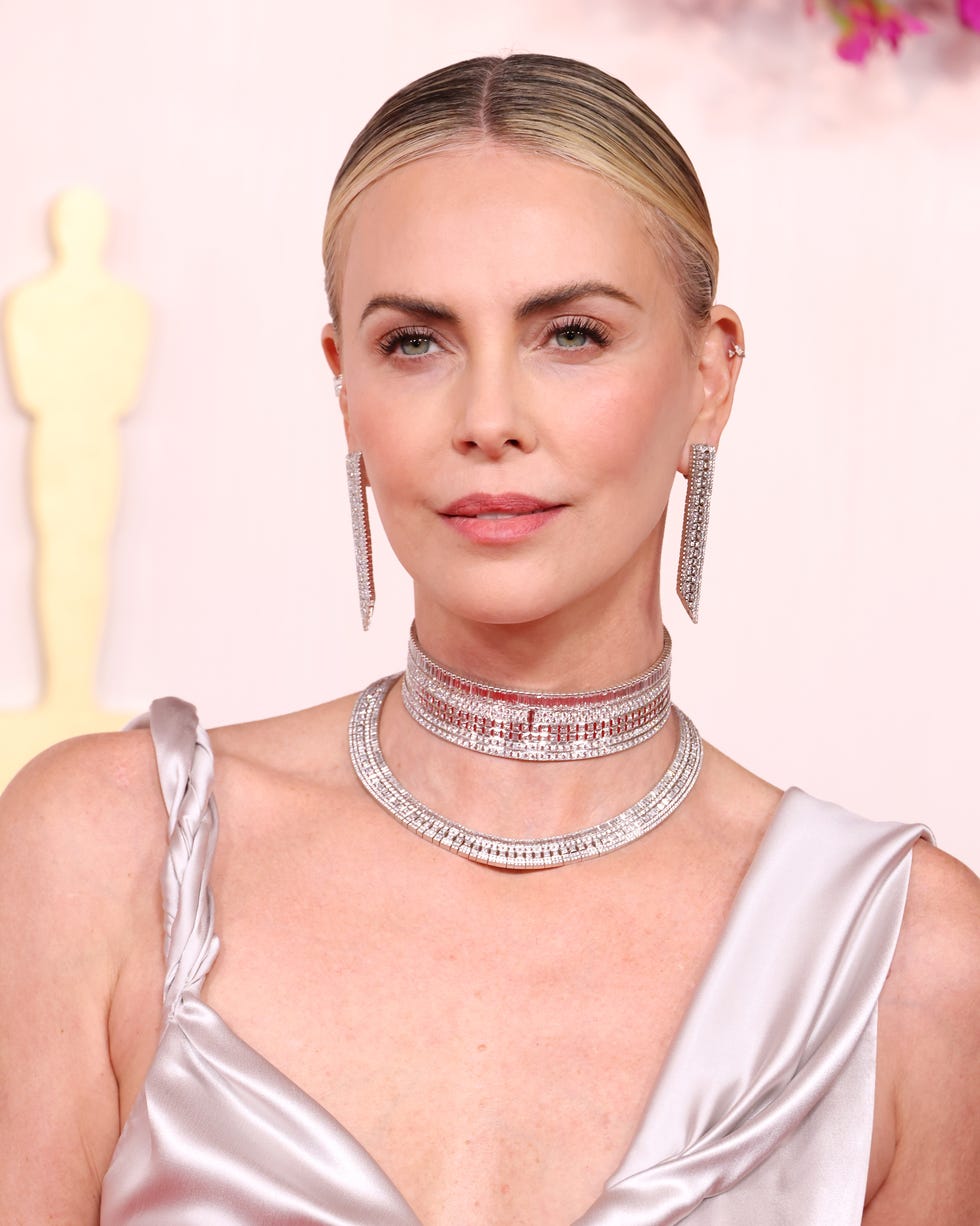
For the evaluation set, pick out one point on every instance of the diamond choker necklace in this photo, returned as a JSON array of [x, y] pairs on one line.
[[632, 823], [536, 727]]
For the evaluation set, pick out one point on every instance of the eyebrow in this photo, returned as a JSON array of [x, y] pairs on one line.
[[563, 294], [546, 300]]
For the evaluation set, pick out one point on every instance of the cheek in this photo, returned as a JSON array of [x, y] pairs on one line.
[[392, 437], [633, 439], [399, 464]]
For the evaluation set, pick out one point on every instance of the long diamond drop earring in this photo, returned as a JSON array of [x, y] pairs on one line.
[[696, 505], [362, 534]]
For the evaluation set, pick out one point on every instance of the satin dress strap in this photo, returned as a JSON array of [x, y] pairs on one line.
[[763, 1111], [218, 1136], [185, 764]]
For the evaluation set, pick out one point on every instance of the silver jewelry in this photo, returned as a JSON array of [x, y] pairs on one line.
[[627, 826], [536, 727], [735, 350], [696, 505], [338, 383], [362, 535]]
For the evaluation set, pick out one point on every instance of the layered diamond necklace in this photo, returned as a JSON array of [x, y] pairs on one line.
[[530, 726]]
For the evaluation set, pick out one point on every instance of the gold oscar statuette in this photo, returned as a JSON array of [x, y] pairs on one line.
[[75, 340]]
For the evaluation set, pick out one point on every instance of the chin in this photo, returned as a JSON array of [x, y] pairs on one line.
[[550, 585], [495, 604], [501, 612]]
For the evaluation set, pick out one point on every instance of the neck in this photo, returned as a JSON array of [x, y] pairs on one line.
[[523, 799], [572, 649], [535, 725]]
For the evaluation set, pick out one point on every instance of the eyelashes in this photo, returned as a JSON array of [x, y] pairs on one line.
[[391, 340], [573, 329], [578, 326]]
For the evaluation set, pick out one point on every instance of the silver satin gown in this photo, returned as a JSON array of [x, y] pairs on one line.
[[761, 1116]]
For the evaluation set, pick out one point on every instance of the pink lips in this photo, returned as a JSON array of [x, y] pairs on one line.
[[499, 518]]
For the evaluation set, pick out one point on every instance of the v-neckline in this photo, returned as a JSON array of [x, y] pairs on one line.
[[626, 1166]]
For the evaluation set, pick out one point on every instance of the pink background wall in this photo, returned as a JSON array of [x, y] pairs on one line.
[[837, 643]]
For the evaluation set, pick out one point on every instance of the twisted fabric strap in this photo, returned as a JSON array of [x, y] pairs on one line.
[[186, 766]]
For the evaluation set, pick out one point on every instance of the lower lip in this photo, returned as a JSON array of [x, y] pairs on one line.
[[502, 531]]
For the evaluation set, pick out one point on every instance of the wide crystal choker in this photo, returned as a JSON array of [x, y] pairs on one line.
[[536, 727], [625, 827]]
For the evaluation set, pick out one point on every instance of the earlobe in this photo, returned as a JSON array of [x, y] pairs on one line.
[[331, 351]]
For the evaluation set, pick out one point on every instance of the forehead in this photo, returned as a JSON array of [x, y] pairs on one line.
[[492, 222]]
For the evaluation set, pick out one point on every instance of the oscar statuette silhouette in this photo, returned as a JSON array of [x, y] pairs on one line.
[[75, 341]]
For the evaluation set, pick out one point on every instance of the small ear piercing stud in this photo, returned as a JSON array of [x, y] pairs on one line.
[[338, 382], [736, 351]]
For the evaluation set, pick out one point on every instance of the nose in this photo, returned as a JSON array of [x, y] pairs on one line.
[[493, 415]]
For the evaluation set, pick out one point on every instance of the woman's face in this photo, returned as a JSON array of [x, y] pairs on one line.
[[519, 377]]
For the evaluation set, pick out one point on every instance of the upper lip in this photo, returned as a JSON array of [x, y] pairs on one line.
[[498, 504]]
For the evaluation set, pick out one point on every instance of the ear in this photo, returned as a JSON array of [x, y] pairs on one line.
[[330, 343], [718, 370]]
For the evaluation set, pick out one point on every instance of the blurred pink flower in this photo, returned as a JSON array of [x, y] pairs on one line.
[[898, 23], [854, 47], [865, 23], [969, 13]]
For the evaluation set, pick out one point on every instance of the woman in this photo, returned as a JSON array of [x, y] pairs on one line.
[[520, 270]]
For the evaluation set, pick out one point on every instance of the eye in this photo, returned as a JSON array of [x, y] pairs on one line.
[[408, 343], [571, 334]]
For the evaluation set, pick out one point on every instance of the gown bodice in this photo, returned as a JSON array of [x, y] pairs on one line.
[[761, 1115]]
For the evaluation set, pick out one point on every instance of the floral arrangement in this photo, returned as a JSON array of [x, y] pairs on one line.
[[863, 25]]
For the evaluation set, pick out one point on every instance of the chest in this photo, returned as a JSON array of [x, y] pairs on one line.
[[493, 1050]]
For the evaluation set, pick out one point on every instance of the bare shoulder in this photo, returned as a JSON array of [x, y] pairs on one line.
[[741, 802], [82, 831], [308, 743], [942, 890], [82, 828], [76, 804], [937, 960], [929, 1047]]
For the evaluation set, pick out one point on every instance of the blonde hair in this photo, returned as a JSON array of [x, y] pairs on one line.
[[554, 106]]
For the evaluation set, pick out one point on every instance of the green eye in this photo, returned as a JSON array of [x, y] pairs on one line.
[[412, 346], [571, 338], [408, 343]]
